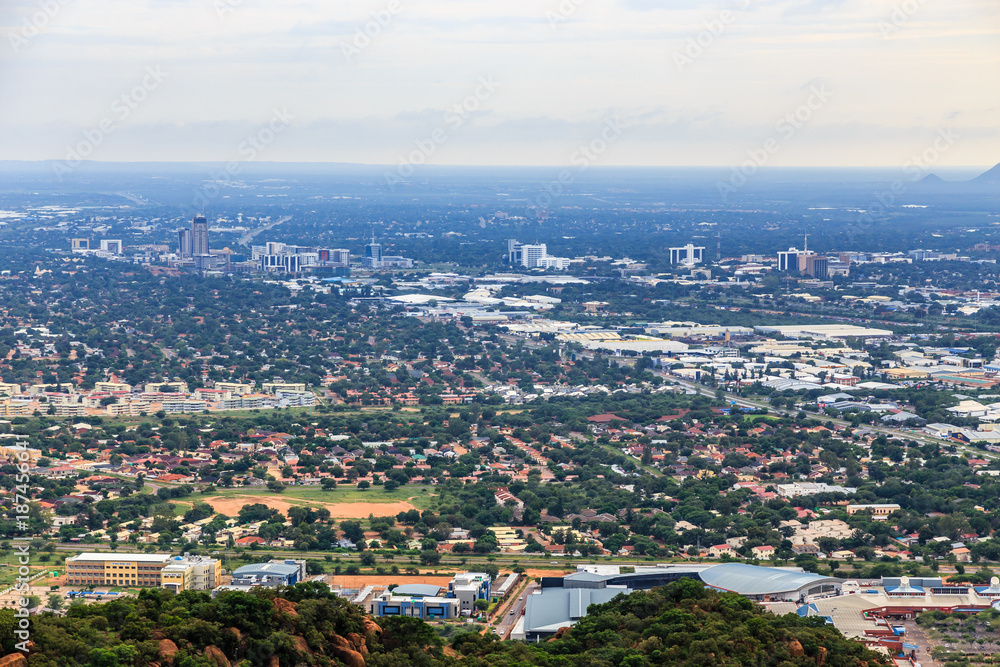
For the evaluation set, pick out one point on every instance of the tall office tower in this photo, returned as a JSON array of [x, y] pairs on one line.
[[513, 251], [532, 255], [688, 255], [817, 266], [184, 243], [340, 256], [789, 259], [373, 256], [199, 233]]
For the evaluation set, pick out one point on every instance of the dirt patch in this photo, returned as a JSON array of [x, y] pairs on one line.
[[231, 506], [362, 580]]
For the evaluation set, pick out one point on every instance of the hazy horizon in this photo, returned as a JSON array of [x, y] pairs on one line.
[[838, 83]]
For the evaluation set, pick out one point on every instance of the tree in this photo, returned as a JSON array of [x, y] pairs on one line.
[[368, 559]]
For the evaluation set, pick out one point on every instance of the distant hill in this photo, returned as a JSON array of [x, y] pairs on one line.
[[991, 177]]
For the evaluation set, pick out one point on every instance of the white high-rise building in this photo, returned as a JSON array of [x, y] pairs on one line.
[[688, 255], [531, 255]]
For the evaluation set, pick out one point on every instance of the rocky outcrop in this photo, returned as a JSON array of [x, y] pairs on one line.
[[273, 662], [821, 657], [344, 650], [218, 658], [372, 629], [358, 642], [167, 649], [282, 605], [14, 660], [302, 646], [560, 633], [795, 648]]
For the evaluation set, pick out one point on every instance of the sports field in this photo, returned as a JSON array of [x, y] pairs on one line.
[[343, 503]]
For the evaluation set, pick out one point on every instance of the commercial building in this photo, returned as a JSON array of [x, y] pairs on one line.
[[427, 601], [373, 256], [563, 601], [688, 255], [191, 573], [534, 256], [416, 601], [788, 260], [268, 574], [112, 246], [179, 573], [468, 587], [199, 236]]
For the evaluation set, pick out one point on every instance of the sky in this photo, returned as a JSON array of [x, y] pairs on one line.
[[503, 82]]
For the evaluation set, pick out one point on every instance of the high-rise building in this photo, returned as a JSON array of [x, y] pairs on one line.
[[199, 236], [112, 246], [789, 259], [816, 266], [531, 255], [340, 256], [373, 256], [185, 243], [513, 251], [688, 255]]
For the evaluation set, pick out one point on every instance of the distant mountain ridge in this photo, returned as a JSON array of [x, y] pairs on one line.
[[990, 177]]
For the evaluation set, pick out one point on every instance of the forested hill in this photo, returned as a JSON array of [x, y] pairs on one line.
[[681, 624]]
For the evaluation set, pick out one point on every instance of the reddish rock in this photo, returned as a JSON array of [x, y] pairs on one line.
[[795, 648], [282, 605], [372, 629], [273, 662], [302, 646], [821, 657], [14, 660], [344, 651], [358, 642], [167, 649], [215, 654], [560, 633]]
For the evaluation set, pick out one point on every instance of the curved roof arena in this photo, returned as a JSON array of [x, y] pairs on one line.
[[753, 580]]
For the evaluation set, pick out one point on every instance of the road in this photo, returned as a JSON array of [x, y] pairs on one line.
[[246, 238], [517, 607], [747, 403]]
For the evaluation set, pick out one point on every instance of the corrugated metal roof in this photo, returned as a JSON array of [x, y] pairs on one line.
[[417, 590], [752, 580]]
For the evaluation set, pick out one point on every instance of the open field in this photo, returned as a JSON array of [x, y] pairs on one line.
[[346, 503]]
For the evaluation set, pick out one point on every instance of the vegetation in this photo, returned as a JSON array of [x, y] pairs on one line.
[[681, 624]]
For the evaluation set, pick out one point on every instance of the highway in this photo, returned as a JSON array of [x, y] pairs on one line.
[[246, 238], [516, 605]]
